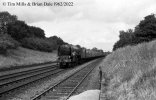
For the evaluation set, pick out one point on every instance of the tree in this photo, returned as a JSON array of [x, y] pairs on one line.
[[146, 29], [78, 46], [19, 30], [94, 49], [58, 40], [7, 42], [6, 18], [125, 38], [37, 32]]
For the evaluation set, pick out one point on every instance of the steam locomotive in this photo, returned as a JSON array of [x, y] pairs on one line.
[[70, 55]]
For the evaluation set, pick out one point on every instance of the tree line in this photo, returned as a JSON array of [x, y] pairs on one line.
[[15, 33], [145, 31]]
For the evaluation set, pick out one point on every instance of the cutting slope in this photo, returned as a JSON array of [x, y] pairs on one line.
[[130, 73], [23, 56]]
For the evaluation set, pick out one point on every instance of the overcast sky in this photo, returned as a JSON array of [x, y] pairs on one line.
[[89, 23]]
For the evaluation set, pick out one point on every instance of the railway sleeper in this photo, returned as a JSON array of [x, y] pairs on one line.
[[64, 88], [25, 75], [71, 82], [54, 98], [58, 93], [68, 85], [61, 91]]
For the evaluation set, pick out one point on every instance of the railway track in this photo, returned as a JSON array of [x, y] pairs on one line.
[[19, 75], [66, 88], [11, 82], [11, 72]]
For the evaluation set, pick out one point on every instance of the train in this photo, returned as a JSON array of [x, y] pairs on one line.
[[71, 55]]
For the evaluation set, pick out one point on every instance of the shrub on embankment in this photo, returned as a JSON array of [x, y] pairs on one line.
[[38, 44], [130, 73], [7, 42]]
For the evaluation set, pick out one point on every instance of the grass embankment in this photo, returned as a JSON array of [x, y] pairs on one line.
[[130, 73], [23, 56]]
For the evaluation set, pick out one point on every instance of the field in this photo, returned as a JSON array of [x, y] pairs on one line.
[[130, 73], [23, 56]]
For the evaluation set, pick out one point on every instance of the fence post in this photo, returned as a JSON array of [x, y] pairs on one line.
[[100, 73]]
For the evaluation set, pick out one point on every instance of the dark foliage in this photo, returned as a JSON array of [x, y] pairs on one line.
[[20, 30], [31, 37], [37, 32], [38, 44], [57, 41], [126, 38], [6, 18], [7, 42], [145, 31]]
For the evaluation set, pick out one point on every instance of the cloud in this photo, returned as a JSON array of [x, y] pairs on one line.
[[127, 11], [84, 32], [108, 11], [28, 14], [89, 23]]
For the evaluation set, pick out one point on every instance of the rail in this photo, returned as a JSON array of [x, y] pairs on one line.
[[24, 66], [8, 86], [70, 81]]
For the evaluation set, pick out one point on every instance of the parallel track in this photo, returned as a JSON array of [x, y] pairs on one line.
[[10, 83], [16, 72], [24, 74], [65, 88]]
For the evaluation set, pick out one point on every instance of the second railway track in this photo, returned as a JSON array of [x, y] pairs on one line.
[[12, 82], [65, 88]]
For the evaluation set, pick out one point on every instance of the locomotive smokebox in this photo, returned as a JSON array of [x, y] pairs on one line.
[[68, 55]]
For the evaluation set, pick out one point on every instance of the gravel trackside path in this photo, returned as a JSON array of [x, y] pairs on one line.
[[92, 82]]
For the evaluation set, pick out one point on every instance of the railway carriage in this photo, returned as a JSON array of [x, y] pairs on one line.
[[70, 55]]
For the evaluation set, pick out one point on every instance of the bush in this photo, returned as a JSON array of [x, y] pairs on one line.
[[38, 44], [145, 31], [56, 41], [20, 30], [7, 42]]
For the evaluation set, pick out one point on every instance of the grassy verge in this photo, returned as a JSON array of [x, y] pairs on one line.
[[23, 56], [130, 73]]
